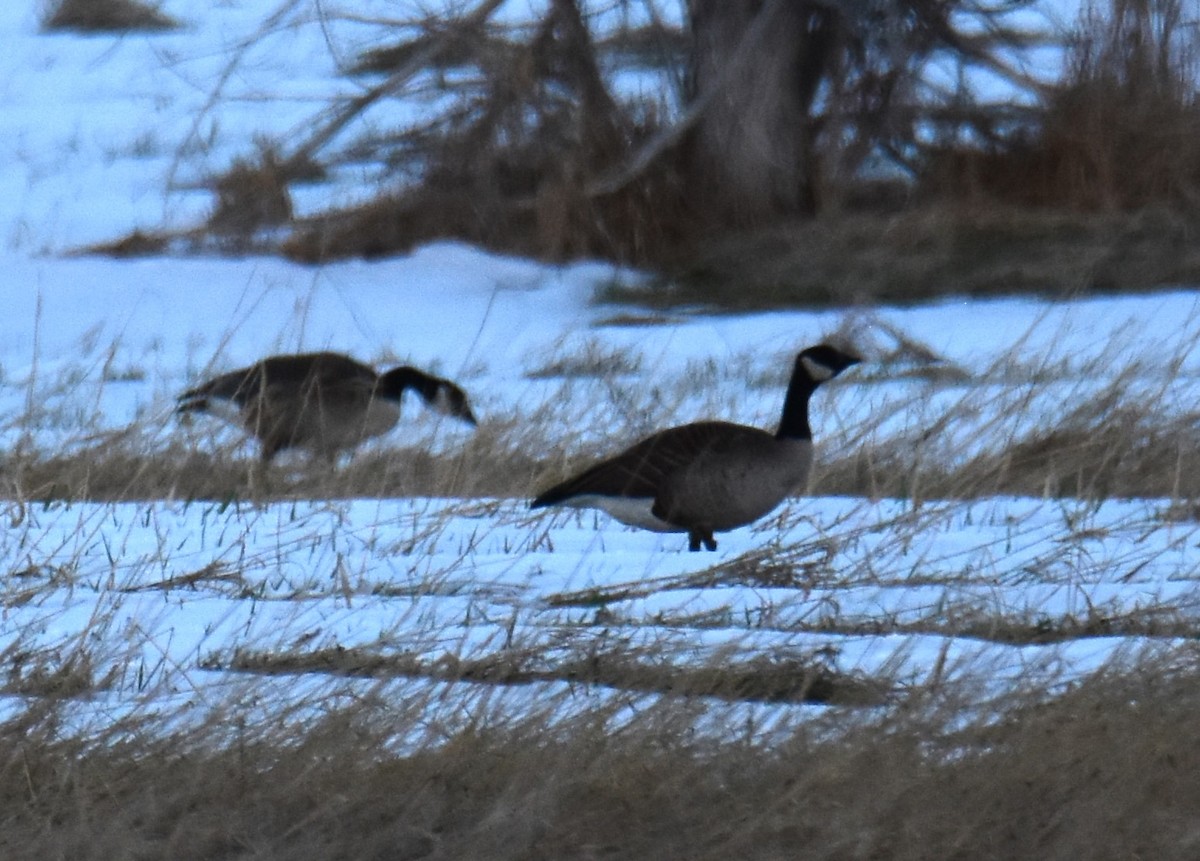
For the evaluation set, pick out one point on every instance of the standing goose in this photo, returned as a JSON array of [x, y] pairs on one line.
[[708, 476], [323, 402]]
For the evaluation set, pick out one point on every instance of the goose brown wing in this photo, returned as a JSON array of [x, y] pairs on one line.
[[322, 369], [640, 470], [332, 378], [239, 385], [294, 374]]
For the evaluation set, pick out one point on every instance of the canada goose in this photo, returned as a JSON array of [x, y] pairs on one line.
[[708, 476], [324, 402]]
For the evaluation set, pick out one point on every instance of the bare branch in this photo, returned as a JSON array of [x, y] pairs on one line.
[[419, 61]]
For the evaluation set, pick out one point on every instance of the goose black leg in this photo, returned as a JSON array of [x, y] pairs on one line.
[[696, 537]]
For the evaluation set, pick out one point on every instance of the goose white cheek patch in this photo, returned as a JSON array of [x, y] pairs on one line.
[[816, 370], [443, 402]]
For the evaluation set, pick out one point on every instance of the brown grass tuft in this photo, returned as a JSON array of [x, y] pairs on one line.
[[924, 254], [493, 461], [1130, 437], [251, 195], [1112, 135], [107, 15]]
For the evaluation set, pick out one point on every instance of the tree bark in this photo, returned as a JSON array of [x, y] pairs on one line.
[[749, 159]]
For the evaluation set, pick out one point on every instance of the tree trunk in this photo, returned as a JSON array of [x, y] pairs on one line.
[[750, 158]]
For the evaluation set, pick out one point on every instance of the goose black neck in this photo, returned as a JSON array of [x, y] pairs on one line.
[[793, 424], [395, 382]]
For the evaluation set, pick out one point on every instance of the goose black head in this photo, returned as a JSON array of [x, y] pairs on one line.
[[824, 362], [813, 366], [439, 395], [450, 400]]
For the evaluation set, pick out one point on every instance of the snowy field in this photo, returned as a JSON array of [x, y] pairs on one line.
[[172, 603]]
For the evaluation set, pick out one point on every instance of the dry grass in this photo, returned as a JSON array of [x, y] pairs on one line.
[[490, 463], [1111, 135], [1037, 422], [1105, 771], [924, 254], [106, 15], [628, 669], [1126, 451], [251, 195]]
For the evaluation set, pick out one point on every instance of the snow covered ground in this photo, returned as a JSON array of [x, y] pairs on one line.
[[166, 598]]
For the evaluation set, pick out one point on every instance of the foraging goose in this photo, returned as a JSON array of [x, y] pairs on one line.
[[324, 402], [708, 476]]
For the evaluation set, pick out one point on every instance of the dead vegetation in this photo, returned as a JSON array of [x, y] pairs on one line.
[[1103, 771], [1040, 424], [657, 754], [1091, 187], [106, 16], [251, 196], [762, 678], [509, 167], [1109, 135], [1120, 453], [925, 254], [490, 463], [1121, 425]]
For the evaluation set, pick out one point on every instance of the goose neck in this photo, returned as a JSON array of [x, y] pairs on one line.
[[793, 423]]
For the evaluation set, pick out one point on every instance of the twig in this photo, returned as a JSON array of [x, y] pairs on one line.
[[419, 61]]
